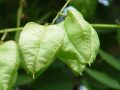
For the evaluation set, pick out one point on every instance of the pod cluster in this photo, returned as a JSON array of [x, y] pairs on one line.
[[74, 41]]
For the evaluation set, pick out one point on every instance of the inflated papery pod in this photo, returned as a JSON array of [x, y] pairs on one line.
[[81, 42], [39, 45], [69, 55], [9, 63]]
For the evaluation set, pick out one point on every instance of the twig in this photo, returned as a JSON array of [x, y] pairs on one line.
[[60, 11], [4, 36]]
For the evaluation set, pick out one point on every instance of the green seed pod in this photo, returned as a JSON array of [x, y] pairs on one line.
[[81, 42], [9, 63], [39, 44], [82, 36], [69, 55]]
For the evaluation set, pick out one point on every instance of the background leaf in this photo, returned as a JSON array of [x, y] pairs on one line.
[[103, 78], [118, 36], [53, 79], [86, 7], [23, 79], [110, 59]]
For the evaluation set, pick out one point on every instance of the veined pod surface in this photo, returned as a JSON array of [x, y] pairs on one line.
[[39, 44], [9, 63], [69, 55], [82, 36], [81, 42]]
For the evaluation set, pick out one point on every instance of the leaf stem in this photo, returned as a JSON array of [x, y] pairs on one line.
[[112, 26], [106, 26], [60, 11], [19, 15], [11, 30]]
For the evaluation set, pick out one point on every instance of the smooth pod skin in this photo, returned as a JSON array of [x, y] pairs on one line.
[[39, 45], [9, 63], [81, 42]]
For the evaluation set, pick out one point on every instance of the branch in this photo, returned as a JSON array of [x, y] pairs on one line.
[[106, 26], [112, 26], [11, 30]]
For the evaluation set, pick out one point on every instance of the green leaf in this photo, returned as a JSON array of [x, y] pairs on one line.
[[23, 79], [86, 84], [110, 59], [39, 44], [81, 42], [9, 63], [103, 78], [118, 36], [53, 79]]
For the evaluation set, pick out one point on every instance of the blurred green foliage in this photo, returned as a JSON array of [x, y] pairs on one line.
[[86, 7], [104, 74]]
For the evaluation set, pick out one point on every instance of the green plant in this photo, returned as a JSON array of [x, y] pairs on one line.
[[39, 44], [74, 41]]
